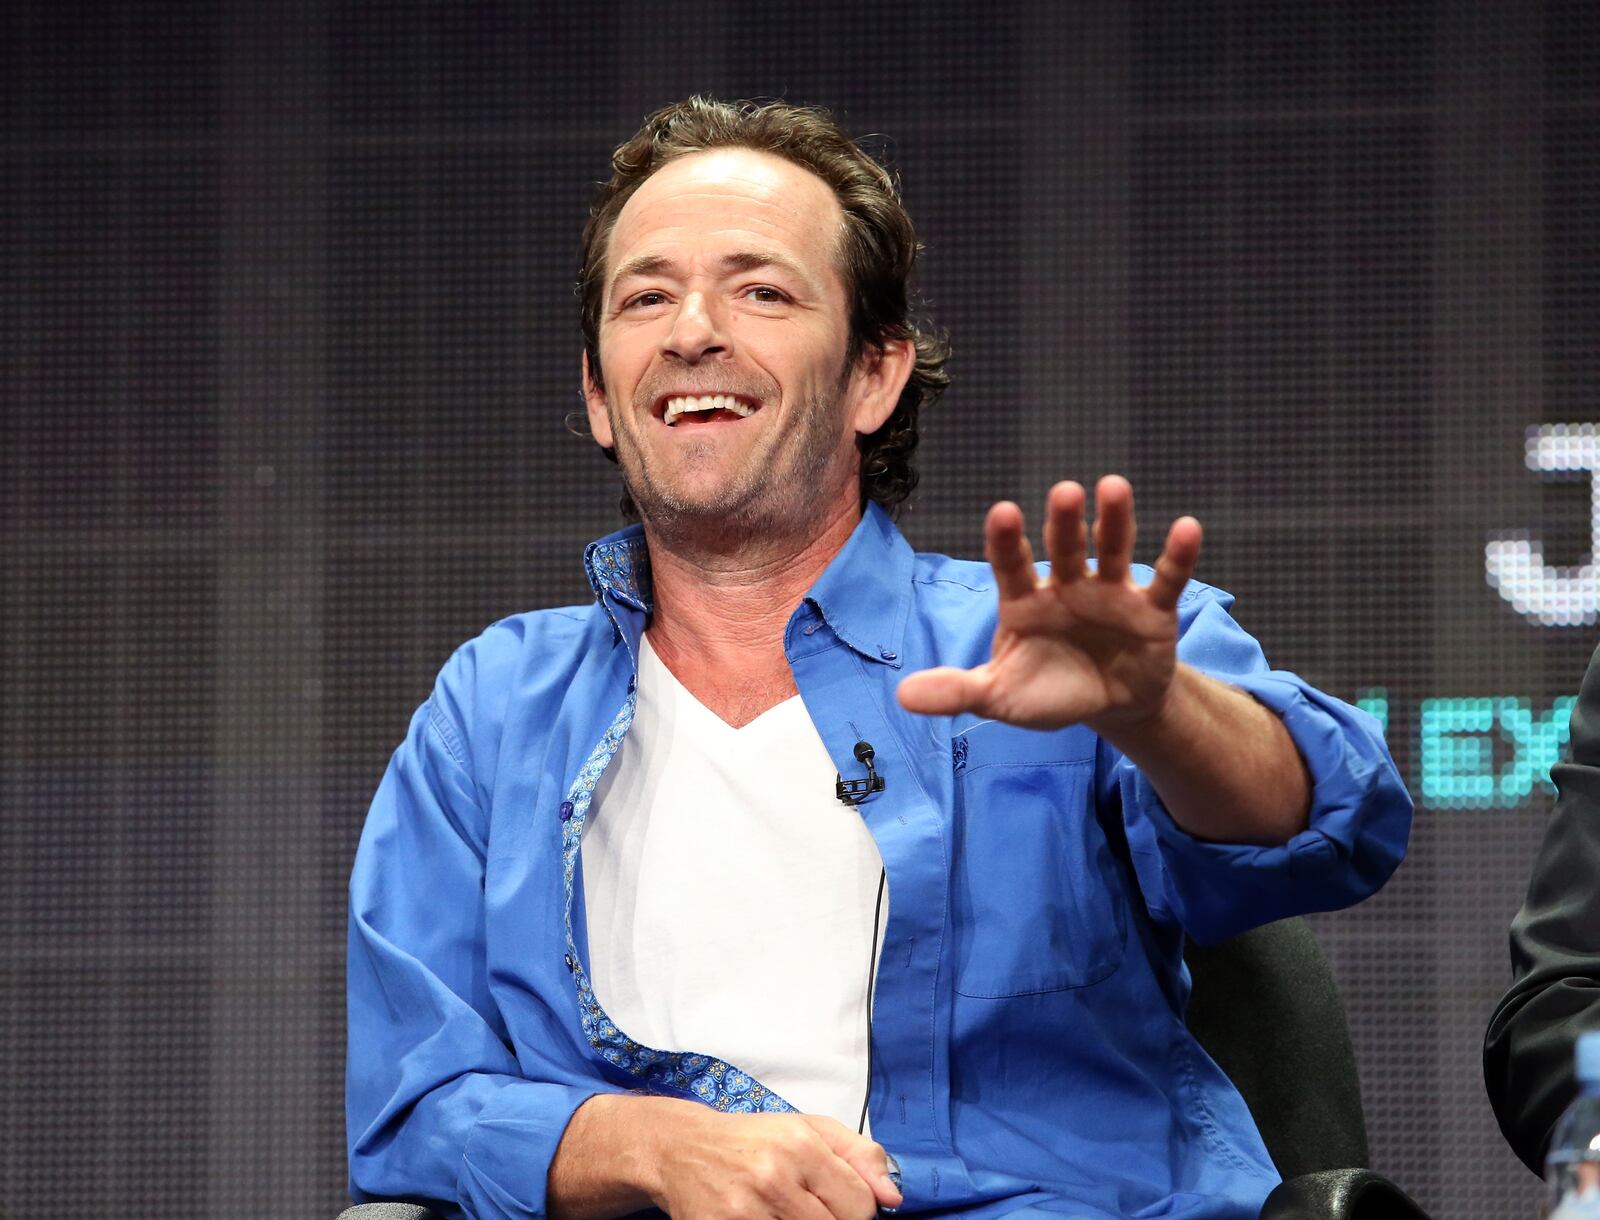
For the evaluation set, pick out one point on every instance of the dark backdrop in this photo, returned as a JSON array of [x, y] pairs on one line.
[[286, 343]]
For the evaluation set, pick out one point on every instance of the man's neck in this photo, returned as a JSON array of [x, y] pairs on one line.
[[720, 615]]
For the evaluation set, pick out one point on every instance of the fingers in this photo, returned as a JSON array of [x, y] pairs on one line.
[[804, 1205], [1066, 539], [872, 1163], [778, 1167], [1176, 564], [792, 1172], [944, 691], [1066, 532], [840, 1190], [1113, 527], [865, 1156], [1006, 547]]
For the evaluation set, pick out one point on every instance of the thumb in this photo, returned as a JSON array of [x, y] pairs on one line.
[[944, 691]]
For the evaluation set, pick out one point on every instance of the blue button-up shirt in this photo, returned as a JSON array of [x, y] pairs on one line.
[[1029, 1047]]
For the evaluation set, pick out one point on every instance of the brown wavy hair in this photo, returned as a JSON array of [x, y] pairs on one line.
[[877, 251]]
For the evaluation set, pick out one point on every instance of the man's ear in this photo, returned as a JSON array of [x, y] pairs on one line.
[[881, 372], [594, 400]]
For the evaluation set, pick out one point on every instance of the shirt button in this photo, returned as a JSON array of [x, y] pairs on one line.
[[887, 655], [566, 810]]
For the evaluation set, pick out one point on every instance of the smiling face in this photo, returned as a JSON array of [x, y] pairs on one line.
[[724, 326]]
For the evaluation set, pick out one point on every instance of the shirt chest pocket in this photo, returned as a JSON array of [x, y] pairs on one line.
[[1038, 903]]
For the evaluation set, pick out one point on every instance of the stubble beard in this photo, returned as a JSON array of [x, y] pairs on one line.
[[778, 491]]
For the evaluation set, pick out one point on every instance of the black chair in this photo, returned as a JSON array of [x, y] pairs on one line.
[[1266, 1008]]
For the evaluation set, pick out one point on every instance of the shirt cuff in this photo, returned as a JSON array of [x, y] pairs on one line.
[[505, 1166], [1359, 822]]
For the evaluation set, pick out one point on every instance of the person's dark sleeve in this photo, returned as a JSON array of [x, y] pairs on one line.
[[1555, 952]]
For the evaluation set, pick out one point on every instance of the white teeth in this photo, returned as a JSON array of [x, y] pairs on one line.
[[706, 402]]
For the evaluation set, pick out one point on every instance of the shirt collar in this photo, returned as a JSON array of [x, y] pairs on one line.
[[864, 595], [619, 564]]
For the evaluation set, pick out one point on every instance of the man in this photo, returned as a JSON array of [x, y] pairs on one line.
[[823, 786], [1555, 952]]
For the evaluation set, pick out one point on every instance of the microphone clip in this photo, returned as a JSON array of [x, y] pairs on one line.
[[854, 791]]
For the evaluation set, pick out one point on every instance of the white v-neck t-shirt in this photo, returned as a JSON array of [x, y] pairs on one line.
[[730, 896]]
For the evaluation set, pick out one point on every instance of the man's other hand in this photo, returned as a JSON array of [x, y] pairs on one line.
[[1082, 646], [624, 1152], [784, 1166]]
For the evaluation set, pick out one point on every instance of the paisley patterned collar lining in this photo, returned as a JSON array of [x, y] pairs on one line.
[[703, 1077]]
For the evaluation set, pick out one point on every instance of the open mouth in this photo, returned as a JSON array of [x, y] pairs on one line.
[[706, 408]]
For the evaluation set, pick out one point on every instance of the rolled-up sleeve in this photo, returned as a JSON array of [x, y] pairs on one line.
[[1360, 815], [438, 1108]]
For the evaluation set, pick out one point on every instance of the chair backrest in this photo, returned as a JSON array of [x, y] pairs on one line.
[[1266, 1008]]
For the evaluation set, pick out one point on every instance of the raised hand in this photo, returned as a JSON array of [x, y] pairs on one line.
[[1080, 646]]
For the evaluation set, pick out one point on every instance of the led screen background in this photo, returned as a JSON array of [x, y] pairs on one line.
[[287, 342]]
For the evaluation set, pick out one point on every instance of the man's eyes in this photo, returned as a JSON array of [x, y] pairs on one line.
[[645, 300], [764, 294], [767, 294]]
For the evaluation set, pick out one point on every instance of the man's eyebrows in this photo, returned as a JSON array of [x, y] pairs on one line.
[[757, 260], [643, 264], [744, 260]]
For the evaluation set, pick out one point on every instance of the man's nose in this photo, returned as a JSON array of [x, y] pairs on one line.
[[697, 331]]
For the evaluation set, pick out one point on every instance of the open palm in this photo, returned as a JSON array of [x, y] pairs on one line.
[[1082, 646]]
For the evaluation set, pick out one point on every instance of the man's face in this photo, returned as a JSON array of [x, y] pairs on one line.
[[723, 330]]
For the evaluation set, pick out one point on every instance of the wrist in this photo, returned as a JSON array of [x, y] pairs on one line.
[[1136, 731], [609, 1161], [658, 1124]]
